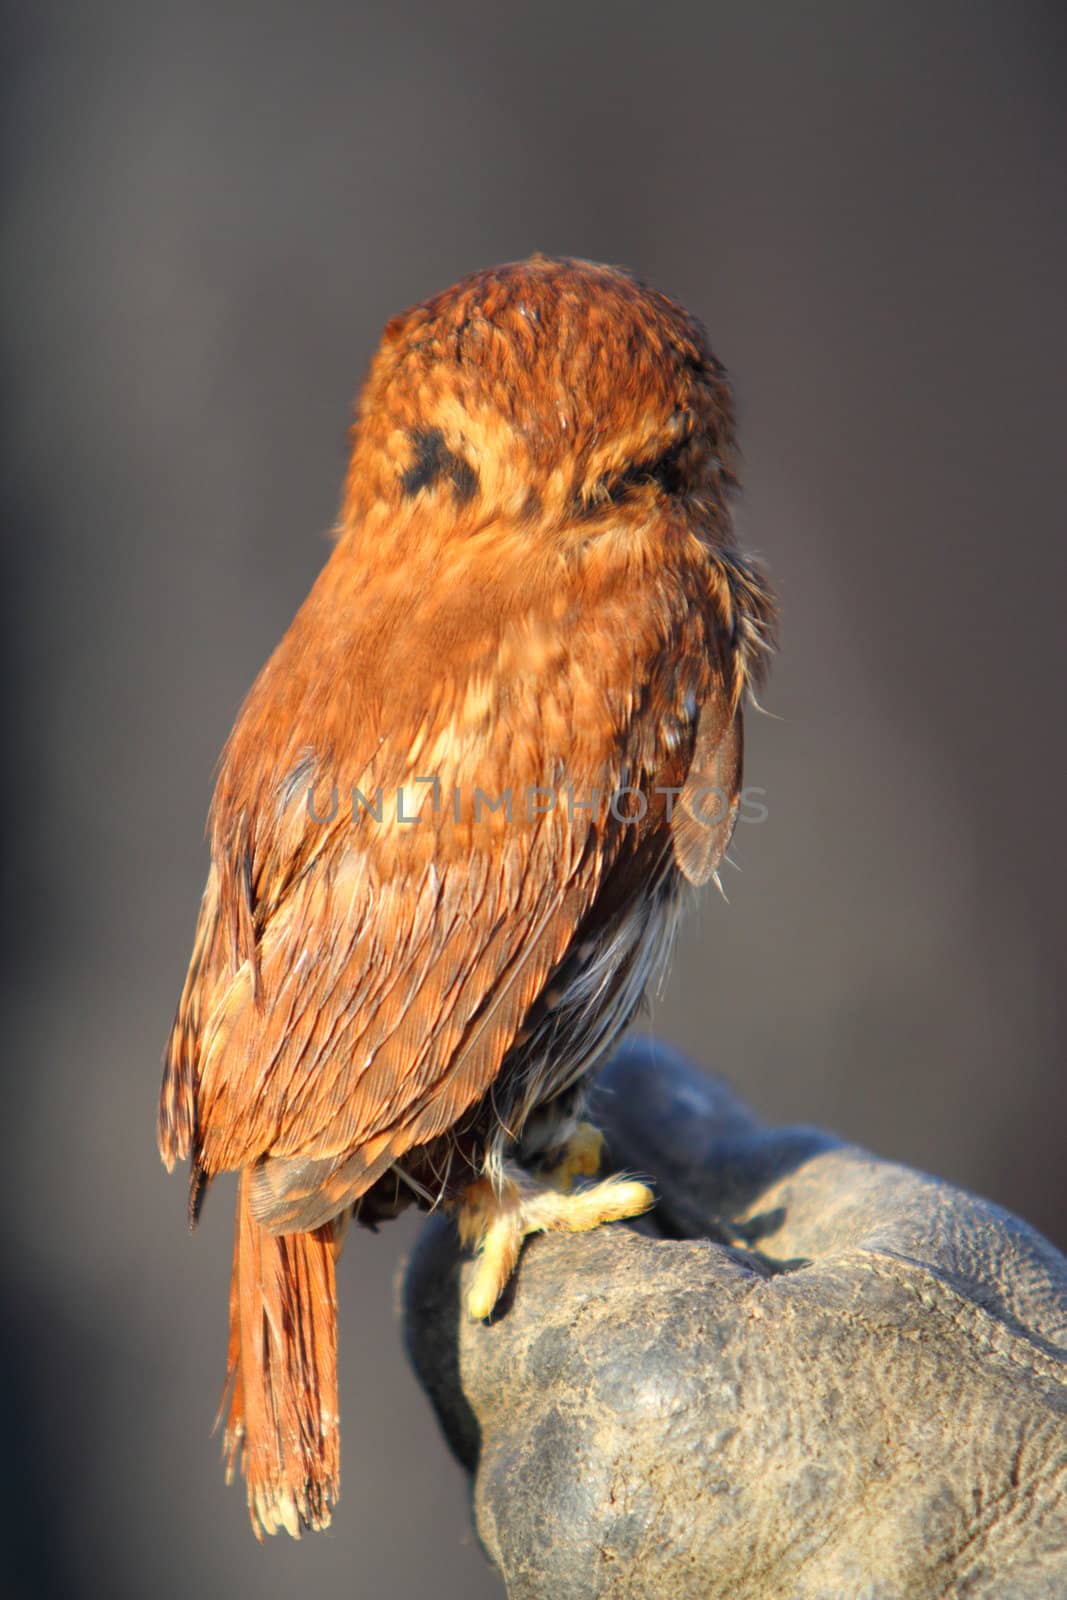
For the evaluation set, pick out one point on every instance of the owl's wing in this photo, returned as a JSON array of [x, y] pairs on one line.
[[738, 640], [382, 1004], [704, 818], [177, 1101]]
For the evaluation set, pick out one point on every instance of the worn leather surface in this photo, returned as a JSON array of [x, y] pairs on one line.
[[809, 1375]]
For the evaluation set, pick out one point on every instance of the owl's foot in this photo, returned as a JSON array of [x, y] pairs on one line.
[[579, 1158], [496, 1221]]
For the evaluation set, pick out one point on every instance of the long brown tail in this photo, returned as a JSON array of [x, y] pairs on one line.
[[282, 1421]]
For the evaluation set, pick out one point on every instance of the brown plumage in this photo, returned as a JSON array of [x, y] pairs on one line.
[[535, 593]]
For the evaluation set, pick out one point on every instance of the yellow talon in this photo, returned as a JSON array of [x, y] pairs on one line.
[[496, 1223], [581, 1158]]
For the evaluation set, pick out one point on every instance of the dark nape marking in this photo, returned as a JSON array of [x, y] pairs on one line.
[[664, 470], [434, 460]]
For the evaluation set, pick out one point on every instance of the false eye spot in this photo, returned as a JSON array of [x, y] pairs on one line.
[[663, 470], [433, 461]]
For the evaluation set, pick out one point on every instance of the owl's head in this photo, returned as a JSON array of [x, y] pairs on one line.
[[551, 392]]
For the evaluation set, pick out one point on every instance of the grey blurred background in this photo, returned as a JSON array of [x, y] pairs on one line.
[[210, 215]]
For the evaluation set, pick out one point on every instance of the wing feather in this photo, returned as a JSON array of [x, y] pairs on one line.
[[402, 1022], [704, 817]]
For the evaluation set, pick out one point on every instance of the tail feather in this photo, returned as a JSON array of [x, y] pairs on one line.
[[281, 1418]]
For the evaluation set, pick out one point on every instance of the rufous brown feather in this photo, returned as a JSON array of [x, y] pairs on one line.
[[534, 634]]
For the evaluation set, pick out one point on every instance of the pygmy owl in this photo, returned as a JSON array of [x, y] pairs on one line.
[[458, 812]]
